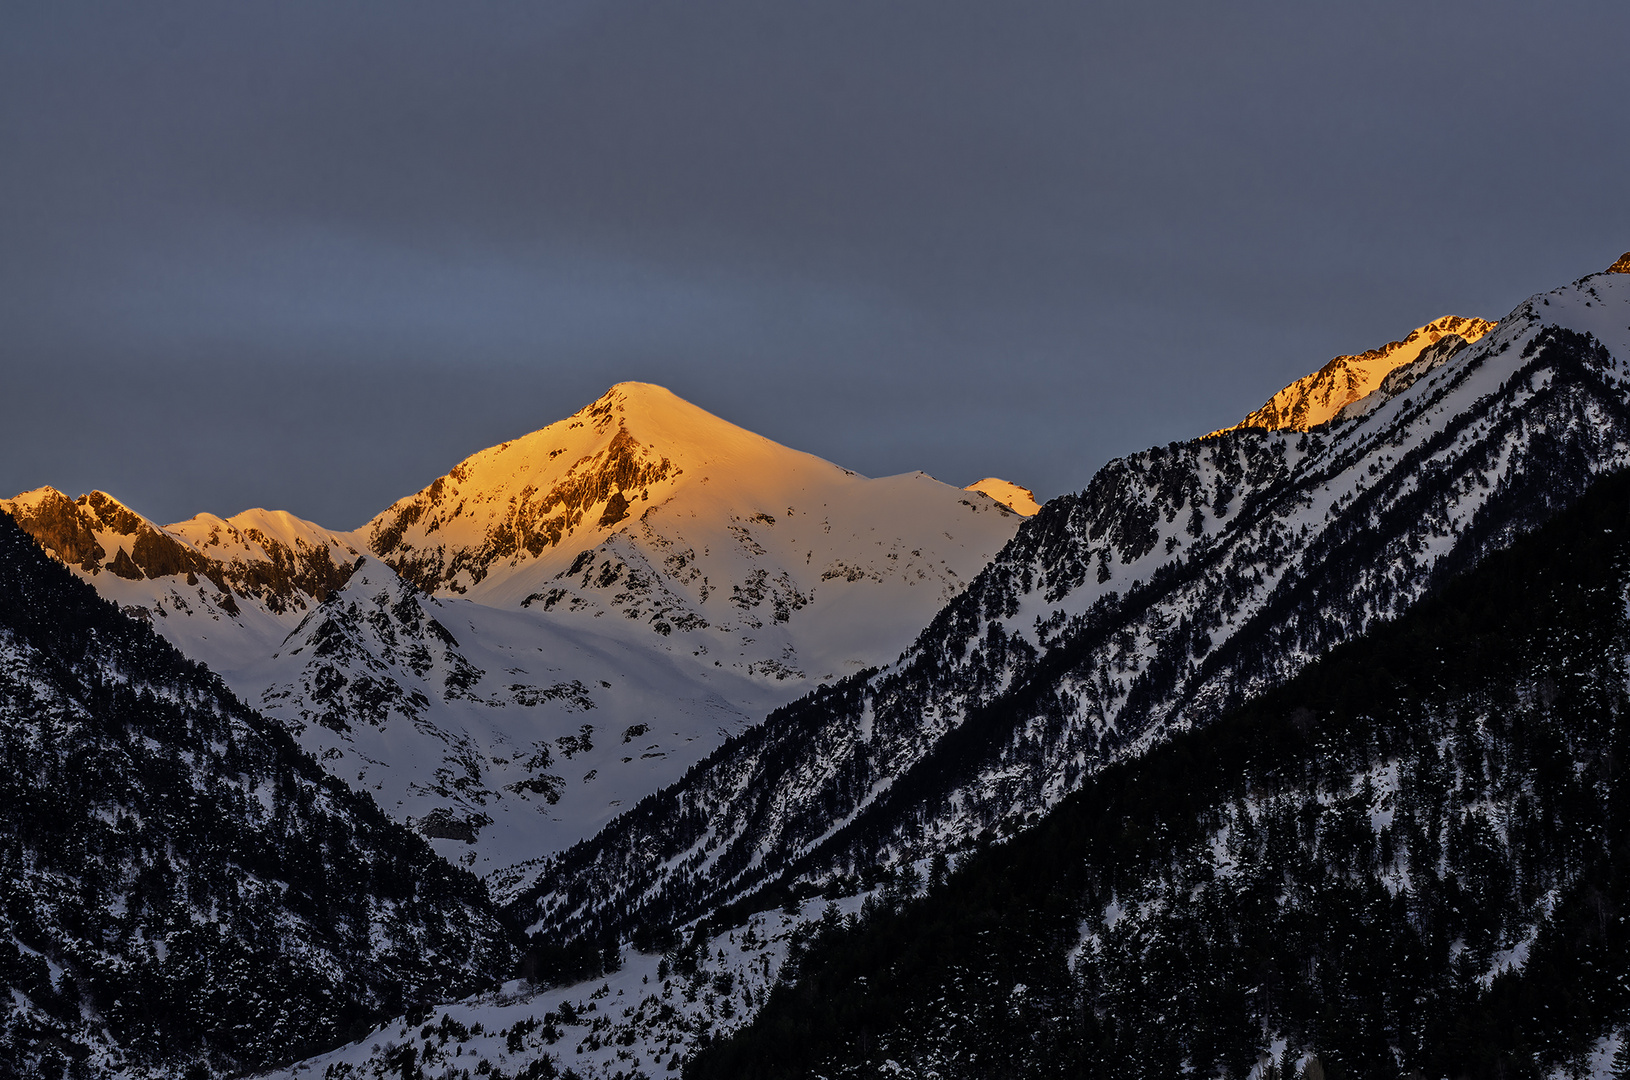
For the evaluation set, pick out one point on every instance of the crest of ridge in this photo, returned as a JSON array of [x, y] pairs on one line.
[[1317, 398]]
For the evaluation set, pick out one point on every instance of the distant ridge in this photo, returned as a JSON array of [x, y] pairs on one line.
[[1317, 398], [1020, 500], [266, 557]]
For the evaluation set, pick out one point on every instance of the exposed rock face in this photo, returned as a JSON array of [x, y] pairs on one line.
[[240, 557], [530, 520], [60, 526], [69, 529], [1622, 266], [1317, 398]]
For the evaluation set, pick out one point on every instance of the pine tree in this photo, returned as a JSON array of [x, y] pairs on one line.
[[1621, 1058]]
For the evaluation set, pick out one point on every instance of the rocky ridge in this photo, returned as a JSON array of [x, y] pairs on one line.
[[1317, 398], [269, 559]]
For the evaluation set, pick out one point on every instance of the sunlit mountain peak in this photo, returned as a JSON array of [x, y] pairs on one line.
[[1020, 500], [1317, 398]]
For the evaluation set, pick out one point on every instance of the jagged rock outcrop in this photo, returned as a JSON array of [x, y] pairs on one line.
[[272, 560]]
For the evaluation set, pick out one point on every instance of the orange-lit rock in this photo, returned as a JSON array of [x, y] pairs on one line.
[[1317, 398]]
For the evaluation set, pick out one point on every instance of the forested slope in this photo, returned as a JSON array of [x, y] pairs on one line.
[[1412, 859], [181, 888]]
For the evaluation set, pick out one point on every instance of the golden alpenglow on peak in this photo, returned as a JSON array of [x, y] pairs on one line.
[[578, 475], [1020, 500], [1317, 398], [1622, 266], [670, 479]]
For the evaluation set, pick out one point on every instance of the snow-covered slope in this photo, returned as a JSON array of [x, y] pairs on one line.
[[1018, 499], [501, 733], [1180, 581], [1369, 865], [643, 1019], [558, 627], [1315, 399]]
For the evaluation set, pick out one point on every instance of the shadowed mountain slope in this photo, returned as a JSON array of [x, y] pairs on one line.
[[180, 886], [1412, 859]]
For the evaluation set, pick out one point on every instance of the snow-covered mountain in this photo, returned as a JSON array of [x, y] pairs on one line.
[[560, 625], [1410, 860], [258, 569], [645, 508], [1317, 398], [1018, 499], [1181, 581]]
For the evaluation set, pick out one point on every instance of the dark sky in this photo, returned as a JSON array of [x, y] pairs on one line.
[[307, 256]]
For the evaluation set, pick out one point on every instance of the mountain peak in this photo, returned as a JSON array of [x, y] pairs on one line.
[[1622, 266], [1020, 500], [657, 417], [642, 395], [573, 481], [641, 401], [1317, 398], [644, 465]]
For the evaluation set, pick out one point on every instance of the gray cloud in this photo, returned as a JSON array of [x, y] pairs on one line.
[[309, 255]]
